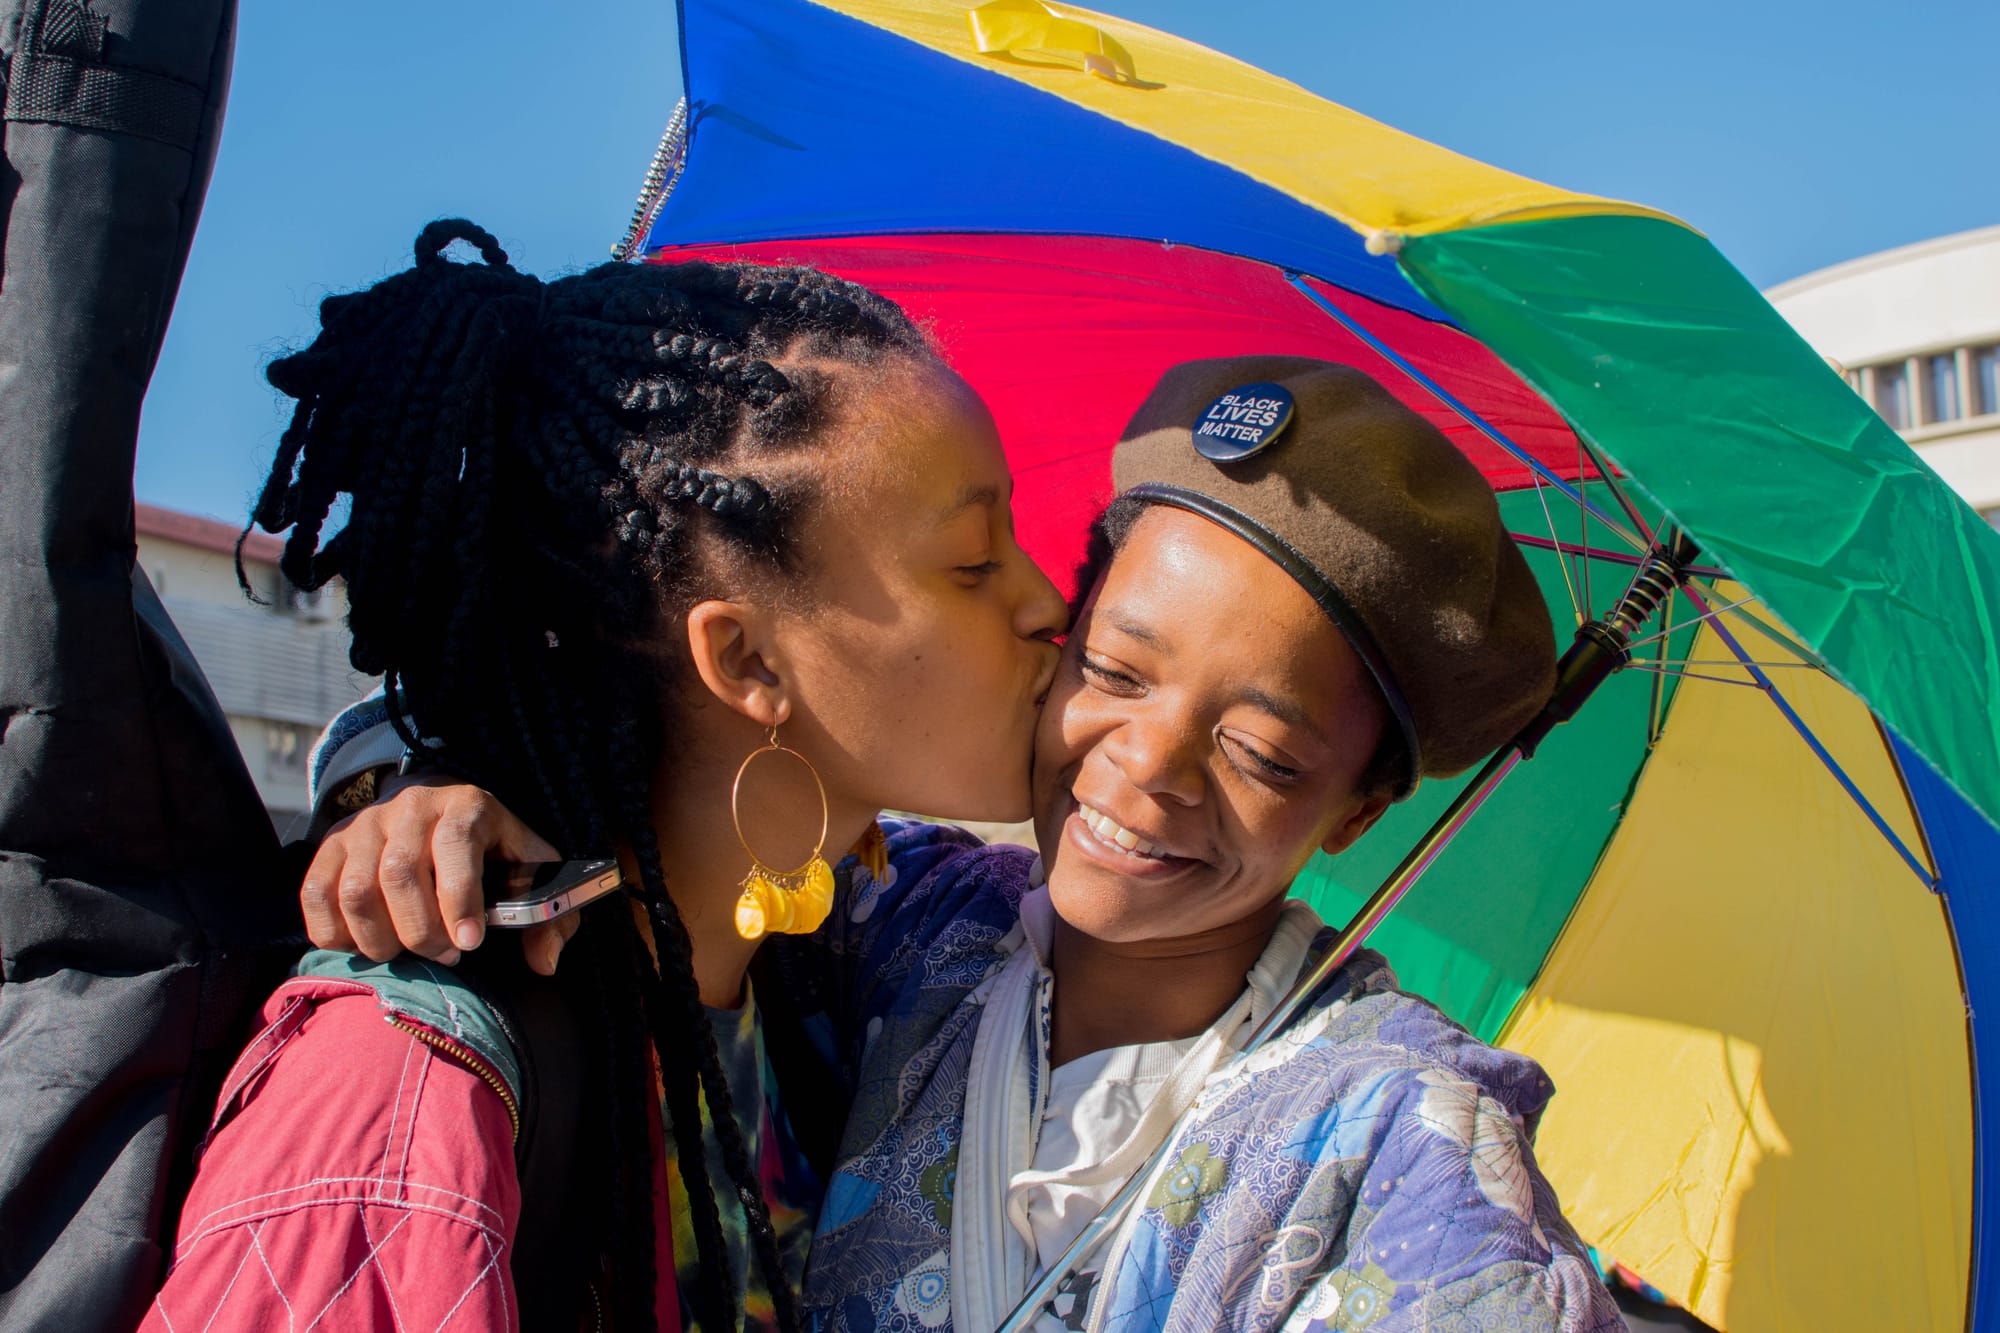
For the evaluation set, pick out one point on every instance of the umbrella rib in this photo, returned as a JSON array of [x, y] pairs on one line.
[[1614, 557], [1651, 670], [1740, 611], [1708, 614], [1779, 637], [1562, 556], [1624, 502], [1582, 523], [1733, 662], [1805, 733], [1473, 419], [1655, 715]]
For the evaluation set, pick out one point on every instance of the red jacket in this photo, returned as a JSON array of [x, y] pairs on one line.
[[359, 1175]]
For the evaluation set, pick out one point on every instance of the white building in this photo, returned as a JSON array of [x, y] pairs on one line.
[[279, 669], [1917, 330]]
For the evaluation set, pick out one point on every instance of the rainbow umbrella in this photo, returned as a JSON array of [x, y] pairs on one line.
[[1743, 907]]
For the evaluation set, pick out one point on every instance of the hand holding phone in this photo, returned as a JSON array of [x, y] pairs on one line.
[[519, 895]]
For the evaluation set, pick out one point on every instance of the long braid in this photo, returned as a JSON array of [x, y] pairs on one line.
[[674, 1004], [604, 967], [537, 472]]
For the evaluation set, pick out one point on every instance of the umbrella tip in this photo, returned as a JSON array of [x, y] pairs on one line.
[[1384, 242]]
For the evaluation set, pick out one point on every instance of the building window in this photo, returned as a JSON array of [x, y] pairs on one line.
[[1892, 393], [1941, 387], [285, 749], [1934, 388], [303, 603], [1985, 380]]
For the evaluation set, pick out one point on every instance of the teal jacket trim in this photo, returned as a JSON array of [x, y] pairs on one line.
[[435, 996]]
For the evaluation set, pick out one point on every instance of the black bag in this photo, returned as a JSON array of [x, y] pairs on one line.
[[143, 902], [146, 908]]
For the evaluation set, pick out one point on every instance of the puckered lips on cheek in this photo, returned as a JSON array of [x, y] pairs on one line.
[[1100, 840]]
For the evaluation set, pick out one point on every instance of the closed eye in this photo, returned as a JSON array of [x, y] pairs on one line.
[[1104, 675], [1270, 767]]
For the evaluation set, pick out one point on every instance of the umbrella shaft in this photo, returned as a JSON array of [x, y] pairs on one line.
[[1603, 647], [1384, 900]]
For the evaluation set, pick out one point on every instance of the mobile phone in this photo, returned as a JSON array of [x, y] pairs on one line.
[[527, 894]]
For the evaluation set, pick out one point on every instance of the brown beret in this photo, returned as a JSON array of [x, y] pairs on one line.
[[1390, 528]]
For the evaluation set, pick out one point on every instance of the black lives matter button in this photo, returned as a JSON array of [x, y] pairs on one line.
[[1242, 422]]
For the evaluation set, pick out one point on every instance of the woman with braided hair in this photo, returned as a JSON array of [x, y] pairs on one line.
[[609, 535]]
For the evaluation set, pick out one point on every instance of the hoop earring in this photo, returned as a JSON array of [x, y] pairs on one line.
[[785, 902]]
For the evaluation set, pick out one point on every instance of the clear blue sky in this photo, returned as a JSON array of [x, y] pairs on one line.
[[1794, 133]]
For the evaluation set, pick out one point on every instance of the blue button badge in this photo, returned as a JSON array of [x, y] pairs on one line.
[[1243, 422]]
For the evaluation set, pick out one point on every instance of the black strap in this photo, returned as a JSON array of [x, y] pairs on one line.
[[58, 76], [554, 1246]]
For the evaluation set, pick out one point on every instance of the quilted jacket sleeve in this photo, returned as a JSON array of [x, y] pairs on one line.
[[357, 1177]]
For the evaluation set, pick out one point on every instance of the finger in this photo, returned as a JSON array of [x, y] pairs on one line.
[[407, 886], [362, 905], [319, 897], [542, 945], [459, 843], [461, 891], [516, 841]]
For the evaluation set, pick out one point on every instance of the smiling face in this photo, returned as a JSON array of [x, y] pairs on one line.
[[1208, 730], [923, 644]]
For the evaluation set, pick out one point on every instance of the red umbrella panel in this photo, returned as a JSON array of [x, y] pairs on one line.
[[1065, 335]]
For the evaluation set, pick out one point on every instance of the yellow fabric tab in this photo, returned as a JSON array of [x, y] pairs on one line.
[[1756, 1029], [1016, 26], [1375, 179]]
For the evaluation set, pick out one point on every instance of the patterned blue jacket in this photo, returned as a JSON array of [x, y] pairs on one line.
[[1370, 1169]]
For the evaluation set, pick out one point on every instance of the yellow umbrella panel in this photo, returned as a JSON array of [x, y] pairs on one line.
[[1755, 1023]]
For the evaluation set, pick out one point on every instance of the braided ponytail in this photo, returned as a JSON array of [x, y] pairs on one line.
[[492, 431]]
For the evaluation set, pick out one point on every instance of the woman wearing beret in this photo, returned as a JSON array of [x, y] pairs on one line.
[[1031, 1031], [1021, 1033]]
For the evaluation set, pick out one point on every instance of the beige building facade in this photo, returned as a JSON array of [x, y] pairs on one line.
[[1917, 332], [278, 665]]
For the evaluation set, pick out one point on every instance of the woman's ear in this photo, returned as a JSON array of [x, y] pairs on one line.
[[738, 662], [1359, 820]]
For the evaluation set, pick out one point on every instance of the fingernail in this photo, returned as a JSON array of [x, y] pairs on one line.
[[449, 958], [467, 934], [555, 952]]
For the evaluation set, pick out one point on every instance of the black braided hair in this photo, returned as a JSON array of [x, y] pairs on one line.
[[535, 470]]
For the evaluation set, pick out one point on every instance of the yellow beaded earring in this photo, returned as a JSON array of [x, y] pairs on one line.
[[786, 902]]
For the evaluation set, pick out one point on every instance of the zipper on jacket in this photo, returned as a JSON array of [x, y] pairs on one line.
[[470, 1061]]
